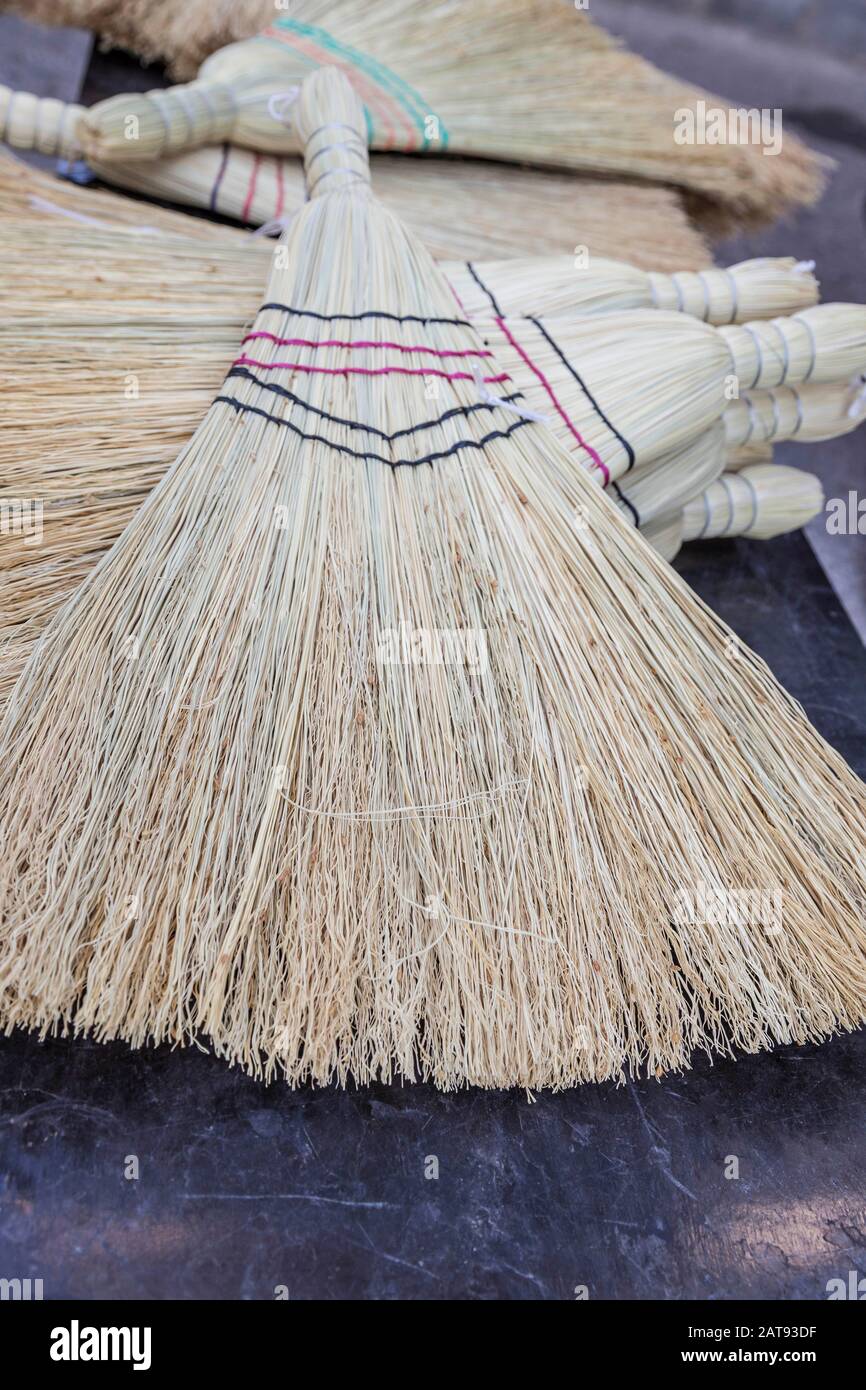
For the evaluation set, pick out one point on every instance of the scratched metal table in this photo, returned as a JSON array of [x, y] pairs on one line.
[[244, 1189]]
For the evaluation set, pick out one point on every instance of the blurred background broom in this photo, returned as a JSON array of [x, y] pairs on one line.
[[519, 80], [460, 208], [760, 501]]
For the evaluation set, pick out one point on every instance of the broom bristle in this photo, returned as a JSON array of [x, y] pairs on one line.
[[326, 760], [670, 482], [556, 285]]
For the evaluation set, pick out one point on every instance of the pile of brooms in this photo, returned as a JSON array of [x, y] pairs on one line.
[[364, 736], [519, 80], [142, 406]]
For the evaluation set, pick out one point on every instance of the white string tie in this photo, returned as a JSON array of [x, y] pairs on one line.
[[858, 404], [45, 205], [280, 105], [490, 398], [276, 226]]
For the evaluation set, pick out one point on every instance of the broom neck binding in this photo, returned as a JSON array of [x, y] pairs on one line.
[[329, 122]]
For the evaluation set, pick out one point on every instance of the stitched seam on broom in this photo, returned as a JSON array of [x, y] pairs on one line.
[[390, 81], [219, 178], [251, 190], [481, 285], [365, 86], [366, 371], [356, 318], [626, 501], [586, 391], [339, 343], [549, 389], [461, 444], [281, 192], [458, 410]]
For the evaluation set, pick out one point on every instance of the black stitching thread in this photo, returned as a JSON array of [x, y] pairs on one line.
[[586, 391], [458, 410], [626, 501], [356, 318], [240, 408], [480, 283]]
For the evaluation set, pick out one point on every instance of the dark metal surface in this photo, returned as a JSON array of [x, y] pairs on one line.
[[243, 1189]]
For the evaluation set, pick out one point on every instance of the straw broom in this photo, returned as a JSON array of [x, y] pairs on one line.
[[762, 501], [93, 312], [557, 90], [753, 287], [562, 285], [236, 809], [460, 209], [807, 414], [573, 369], [106, 269], [546, 362], [63, 454]]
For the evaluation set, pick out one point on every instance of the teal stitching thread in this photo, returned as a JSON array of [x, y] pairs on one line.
[[388, 80], [311, 62]]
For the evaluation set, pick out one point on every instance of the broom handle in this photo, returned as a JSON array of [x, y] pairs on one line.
[[823, 344], [328, 120], [160, 122], [730, 507], [752, 503], [43, 124], [713, 295], [791, 412], [764, 417]]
